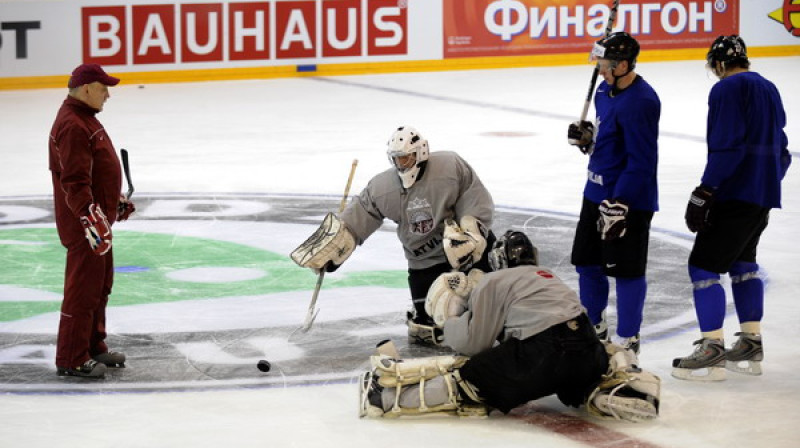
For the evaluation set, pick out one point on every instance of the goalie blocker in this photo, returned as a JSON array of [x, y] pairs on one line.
[[327, 248]]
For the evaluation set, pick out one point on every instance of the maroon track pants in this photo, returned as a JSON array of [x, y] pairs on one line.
[[87, 285]]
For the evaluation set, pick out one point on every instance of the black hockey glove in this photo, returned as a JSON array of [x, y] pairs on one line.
[[697, 210], [612, 223], [581, 134]]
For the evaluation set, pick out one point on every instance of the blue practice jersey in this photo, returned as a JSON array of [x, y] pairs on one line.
[[625, 158], [747, 148]]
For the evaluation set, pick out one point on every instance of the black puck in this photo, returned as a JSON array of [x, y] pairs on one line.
[[263, 365]]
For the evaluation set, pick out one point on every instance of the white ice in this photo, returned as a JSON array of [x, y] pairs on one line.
[[299, 136]]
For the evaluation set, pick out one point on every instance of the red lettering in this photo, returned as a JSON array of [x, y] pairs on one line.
[[296, 30], [103, 37], [341, 33], [201, 32], [303, 29], [153, 34], [387, 28], [248, 35]]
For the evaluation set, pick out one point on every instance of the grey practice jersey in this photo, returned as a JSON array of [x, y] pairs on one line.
[[520, 301], [448, 189]]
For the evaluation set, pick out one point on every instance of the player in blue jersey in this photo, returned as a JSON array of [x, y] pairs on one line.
[[621, 194], [747, 159]]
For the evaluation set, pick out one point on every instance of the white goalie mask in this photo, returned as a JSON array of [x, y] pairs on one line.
[[407, 152]]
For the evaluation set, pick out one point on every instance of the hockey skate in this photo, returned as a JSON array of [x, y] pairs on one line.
[[423, 332], [746, 354], [111, 359], [602, 330], [632, 343], [89, 369], [705, 364]]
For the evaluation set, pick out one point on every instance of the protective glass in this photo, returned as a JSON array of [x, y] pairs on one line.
[[607, 65], [403, 161]]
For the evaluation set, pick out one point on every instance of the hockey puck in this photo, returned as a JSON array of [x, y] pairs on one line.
[[263, 365]]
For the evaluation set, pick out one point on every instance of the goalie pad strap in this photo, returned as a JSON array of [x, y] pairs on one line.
[[330, 243], [411, 371]]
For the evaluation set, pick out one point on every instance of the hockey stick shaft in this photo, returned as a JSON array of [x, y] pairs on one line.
[[127, 169], [611, 17], [311, 315]]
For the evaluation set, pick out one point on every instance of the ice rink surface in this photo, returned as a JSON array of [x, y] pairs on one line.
[[284, 148]]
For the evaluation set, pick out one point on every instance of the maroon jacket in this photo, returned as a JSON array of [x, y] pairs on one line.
[[85, 169]]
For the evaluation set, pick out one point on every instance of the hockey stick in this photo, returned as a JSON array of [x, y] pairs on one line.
[[611, 17], [126, 167], [311, 315]]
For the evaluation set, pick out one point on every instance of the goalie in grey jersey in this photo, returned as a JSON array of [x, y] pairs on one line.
[[443, 214], [524, 335]]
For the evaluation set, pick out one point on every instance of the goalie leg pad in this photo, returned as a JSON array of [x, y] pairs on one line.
[[626, 392], [417, 386], [330, 243]]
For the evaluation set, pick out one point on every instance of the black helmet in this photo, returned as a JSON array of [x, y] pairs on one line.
[[727, 49], [512, 249], [619, 46]]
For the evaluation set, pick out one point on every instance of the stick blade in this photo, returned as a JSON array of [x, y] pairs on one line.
[[127, 169]]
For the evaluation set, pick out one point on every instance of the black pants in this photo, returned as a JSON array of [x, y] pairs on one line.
[[566, 359], [733, 235], [621, 257]]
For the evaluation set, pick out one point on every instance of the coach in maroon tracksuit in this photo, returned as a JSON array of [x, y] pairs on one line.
[[87, 180]]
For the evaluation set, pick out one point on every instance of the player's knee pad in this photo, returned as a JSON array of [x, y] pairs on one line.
[[742, 271], [702, 279]]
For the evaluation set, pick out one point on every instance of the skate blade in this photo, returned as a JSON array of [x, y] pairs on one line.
[[701, 374], [744, 367]]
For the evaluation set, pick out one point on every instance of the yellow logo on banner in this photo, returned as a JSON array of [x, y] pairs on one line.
[[789, 16]]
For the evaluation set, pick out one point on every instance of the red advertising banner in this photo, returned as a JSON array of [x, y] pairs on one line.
[[526, 27], [174, 32]]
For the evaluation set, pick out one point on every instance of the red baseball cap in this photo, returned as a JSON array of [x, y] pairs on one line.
[[89, 73]]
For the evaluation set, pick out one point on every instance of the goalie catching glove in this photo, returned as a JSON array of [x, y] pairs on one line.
[[626, 392], [327, 248], [447, 296], [97, 229], [464, 242]]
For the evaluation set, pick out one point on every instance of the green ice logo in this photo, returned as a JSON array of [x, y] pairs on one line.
[[153, 268]]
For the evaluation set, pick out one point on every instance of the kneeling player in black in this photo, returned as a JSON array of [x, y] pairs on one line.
[[547, 346]]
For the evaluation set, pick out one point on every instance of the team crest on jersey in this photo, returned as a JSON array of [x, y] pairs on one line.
[[420, 216]]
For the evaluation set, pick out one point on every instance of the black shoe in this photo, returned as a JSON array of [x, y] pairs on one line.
[[111, 359], [89, 369]]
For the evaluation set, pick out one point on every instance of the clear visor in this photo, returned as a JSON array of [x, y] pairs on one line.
[[598, 51], [403, 161]]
